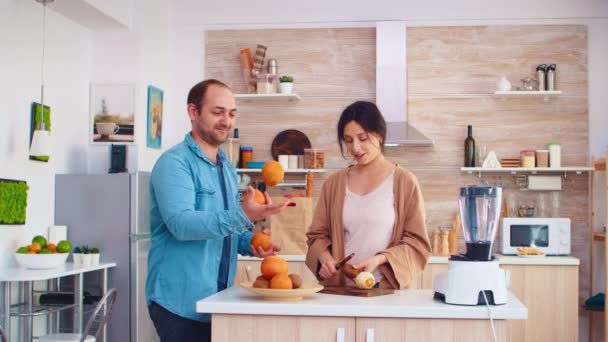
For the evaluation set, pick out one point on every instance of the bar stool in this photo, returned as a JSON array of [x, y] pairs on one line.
[[99, 318]]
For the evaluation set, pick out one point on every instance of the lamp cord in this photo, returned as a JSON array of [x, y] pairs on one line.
[[41, 125]]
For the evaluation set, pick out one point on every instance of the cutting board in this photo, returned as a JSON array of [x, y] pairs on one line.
[[353, 291], [290, 142]]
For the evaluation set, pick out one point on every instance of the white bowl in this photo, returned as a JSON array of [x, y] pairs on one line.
[[41, 261]]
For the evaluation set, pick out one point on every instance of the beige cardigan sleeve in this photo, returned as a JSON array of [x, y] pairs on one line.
[[318, 236], [410, 250]]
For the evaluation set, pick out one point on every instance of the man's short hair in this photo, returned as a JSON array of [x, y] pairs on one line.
[[197, 94]]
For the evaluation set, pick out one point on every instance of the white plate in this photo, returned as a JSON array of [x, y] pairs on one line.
[[282, 295], [531, 256]]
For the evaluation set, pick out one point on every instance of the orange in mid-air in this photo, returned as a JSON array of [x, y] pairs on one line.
[[261, 240], [281, 281], [273, 265], [272, 173]]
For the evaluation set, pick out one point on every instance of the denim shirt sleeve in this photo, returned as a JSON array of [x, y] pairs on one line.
[[245, 243], [173, 187]]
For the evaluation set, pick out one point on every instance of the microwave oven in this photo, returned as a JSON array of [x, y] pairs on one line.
[[550, 235]]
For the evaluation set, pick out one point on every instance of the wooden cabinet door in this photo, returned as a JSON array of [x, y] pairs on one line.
[[430, 272], [428, 330], [244, 328], [551, 295]]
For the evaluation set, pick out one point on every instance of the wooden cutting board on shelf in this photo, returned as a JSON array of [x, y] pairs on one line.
[[353, 291]]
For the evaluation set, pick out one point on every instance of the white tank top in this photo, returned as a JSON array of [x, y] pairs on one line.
[[368, 222]]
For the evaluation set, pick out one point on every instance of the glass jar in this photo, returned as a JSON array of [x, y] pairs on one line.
[[555, 154], [542, 158], [314, 158], [246, 155], [266, 83], [528, 159]]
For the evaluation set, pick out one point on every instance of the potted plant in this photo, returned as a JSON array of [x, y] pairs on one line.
[[286, 84], [77, 256], [95, 256], [85, 256]]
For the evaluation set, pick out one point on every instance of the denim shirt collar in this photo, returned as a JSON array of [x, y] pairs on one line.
[[189, 141]]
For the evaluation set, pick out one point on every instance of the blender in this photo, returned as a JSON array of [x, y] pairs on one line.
[[475, 278]]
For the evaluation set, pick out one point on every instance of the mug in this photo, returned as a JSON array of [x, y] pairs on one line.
[[107, 128]]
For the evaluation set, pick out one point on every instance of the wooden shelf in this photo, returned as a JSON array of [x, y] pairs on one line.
[[528, 93], [599, 236], [286, 171], [267, 97], [599, 165]]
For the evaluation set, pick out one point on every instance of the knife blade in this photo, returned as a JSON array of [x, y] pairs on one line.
[[344, 261]]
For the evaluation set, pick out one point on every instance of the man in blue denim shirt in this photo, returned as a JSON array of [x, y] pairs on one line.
[[198, 225]]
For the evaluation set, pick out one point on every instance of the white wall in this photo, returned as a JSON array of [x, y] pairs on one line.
[[66, 79]]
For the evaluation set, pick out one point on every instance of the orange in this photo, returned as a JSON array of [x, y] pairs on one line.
[[273, 265], [258, 197], [51, 247], [261, 240], [272, 173], [281, 281], [35, 247]]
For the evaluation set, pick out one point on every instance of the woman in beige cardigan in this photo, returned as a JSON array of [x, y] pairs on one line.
[[372, 208]]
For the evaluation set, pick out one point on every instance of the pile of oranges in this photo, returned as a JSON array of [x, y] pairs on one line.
[[275, 275], [39, 245]]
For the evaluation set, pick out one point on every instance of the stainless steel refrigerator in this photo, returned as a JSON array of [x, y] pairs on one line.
[[112, 212]]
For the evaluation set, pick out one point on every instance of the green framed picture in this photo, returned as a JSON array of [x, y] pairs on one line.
[[13, 201], [35, 120]]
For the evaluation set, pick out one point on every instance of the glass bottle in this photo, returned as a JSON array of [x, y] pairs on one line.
[[469, 148]]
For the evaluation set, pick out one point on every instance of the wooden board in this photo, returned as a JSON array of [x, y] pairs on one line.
[[289, 142], [353, 291]]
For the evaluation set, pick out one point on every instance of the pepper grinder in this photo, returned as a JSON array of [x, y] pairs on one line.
[[445, 244], [436, 250]]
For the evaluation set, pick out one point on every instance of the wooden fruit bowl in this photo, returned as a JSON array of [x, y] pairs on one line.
[[283, 295]]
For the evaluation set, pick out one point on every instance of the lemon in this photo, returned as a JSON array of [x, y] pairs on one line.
[[64, 246]]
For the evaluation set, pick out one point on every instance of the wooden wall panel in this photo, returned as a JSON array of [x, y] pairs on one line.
[[451, 73]]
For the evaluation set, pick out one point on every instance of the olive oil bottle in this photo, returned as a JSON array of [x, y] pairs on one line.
[[469, 149]]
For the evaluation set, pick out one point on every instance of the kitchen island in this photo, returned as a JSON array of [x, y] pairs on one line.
[[406, 315]]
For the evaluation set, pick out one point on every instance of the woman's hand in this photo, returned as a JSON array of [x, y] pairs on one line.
[[260, 253], [371, 263], [255, 211], [328, 266]]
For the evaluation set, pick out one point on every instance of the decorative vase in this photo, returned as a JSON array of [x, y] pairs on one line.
[[286, 87], [77, 258], [503, 84], [95, 259]]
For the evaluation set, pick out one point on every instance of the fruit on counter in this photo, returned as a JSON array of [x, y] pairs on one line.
[[261, 282], [350, 271], [41, 240], [365, 280], [272, 173], [35, 247], [273, 265], [64, 246], [296, 280], [51, 247], [281, 281], [259, 197], [46, 251], [262, 240]]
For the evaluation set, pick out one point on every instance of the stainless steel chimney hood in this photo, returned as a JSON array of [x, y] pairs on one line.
[[391, 85]]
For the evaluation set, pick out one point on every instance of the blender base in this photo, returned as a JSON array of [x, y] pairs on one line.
[[465, 282]]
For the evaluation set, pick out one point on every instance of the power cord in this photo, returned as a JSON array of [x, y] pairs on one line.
[[489, 314]]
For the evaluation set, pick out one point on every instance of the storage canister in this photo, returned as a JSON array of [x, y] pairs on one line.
[[528, 159], [555, 154], [542, 158], [314, 158], [246, 155]]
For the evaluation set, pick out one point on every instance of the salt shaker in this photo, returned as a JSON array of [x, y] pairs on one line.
[[551, 77], [540, 76]]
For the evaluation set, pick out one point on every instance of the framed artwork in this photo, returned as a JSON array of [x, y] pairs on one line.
[[112, 113], [13, 201], [155, 117], [35, 120]]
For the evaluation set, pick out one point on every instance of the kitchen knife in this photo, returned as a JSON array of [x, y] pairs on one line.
[[343, 262]]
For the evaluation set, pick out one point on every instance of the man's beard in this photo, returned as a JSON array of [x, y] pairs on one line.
[[212, 138]]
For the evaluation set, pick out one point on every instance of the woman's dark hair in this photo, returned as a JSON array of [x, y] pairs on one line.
[[368, 116], [197, 93]]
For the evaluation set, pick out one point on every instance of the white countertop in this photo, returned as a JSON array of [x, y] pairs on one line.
[[401, 304], [26, 274], [502, 259]]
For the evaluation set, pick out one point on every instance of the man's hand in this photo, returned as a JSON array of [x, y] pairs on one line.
[[371, 263], [260, 253], [255, 211]]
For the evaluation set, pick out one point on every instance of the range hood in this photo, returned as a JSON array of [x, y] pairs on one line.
[[391, 85]]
